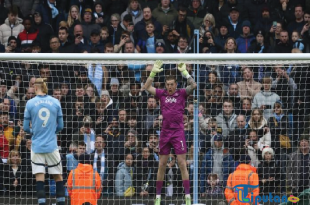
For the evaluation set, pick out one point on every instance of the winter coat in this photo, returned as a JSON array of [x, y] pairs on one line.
[[235, 141], [26, 38], [265, 98], [84, 185], [45, 32], [250, 93], [244, 174], [6, 31], [135, 19], [207, 164], [26, 7], [293, 171], [230, 74], [244, 42], [196, 16], [227, 125], [140, 32], [123, 179], [9, 179], [164, 18], [266, 170]]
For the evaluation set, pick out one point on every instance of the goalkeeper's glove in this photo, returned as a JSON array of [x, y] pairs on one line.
[[156, 68], [182, 69]]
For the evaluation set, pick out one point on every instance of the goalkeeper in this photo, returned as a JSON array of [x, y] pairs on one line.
[[172, 104]]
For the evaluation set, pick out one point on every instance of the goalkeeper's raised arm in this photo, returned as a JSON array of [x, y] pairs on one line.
[[156, 69], [191, 84]]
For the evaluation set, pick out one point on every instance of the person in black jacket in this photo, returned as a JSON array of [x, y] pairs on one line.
[[268, 172], [260, 44], [45, 31]]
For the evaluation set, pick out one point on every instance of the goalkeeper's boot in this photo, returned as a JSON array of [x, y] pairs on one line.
[[188, 200], [157, 200]]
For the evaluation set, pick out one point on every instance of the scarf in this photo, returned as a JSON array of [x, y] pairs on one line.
[[95, 75], [53, 8], [134, 13], [278, 117], [89, 140], [101, 173]]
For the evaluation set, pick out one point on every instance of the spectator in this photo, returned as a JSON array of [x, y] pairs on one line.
[[234, 23], [26, 7], [172, 176], [248, 88], [160, 46], [139, 29], [100, 16], [198, 15], [80, 40], [230, 46], [104, 35], [14, 179], [54, 44], [265, 99], [275, 32], [265, 23], [214, 188], [147, 45], [122, 121], [27, 36], [215, 103], [283, 46], [45, 31], [84, 177], [297, 168], [245, 39], [299, 23], [207, 44], [4, 145], [171, 42], [88, 24], [226, 120], [134, 10], [217, 161], [146, 173], [124, 176], [115, 30], [165, 13], [7, 127], [260, 44], [51, 13], [12, 26], [237, 137], [233, 95], [246, 174], [74, 18], [268, 172], [285, 12], [298, 41], [72, 158], [150, 114], [221, 38], [182, 44], [252, 149], [182, 26], [12, 45], [91, 93], [66, 46], [284, 86], [127, 25], [246, 108]]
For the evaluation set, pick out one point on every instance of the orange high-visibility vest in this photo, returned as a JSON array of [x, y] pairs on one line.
[[84, 185]]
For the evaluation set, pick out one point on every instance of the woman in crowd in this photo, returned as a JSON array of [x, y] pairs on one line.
[[208, 24], [230, 46], [124, 176]]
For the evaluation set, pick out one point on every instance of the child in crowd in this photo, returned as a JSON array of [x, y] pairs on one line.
[[297, 41], [147, 45], [214, 188], [104, 34]]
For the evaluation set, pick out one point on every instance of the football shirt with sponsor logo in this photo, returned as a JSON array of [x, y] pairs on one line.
[[172, 108]]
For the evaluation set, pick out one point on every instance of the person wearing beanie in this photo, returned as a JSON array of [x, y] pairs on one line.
[[84, 184], [260, 45], [245, 39], [269, 172], [217, 160], [160, 46], [244, 174], [134, 9], [298, 166]]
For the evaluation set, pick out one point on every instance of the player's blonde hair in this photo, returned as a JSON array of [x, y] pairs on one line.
[[42, 83]]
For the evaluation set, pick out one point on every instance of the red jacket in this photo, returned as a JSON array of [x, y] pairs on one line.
[[26, 38]]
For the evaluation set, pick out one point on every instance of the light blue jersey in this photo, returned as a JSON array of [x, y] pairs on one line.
[[43, 112]]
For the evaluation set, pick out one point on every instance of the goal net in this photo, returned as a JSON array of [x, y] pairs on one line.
[[247, 109]]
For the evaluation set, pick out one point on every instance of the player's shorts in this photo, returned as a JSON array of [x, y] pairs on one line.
[[39, 162], [172, 138]]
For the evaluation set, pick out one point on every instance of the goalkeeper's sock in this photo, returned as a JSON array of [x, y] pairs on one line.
[[40, 193], [186, 185], [159, 185]]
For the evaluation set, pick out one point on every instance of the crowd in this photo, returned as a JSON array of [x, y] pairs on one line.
[[259, 111]]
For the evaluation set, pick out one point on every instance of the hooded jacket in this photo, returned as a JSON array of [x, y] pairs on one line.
[[6, 30], [244, 42], [45, 32], [216, 159], [26, 38], [266, 170], [227, 125], [84, 176], [244, 174], [265, 98], [136, 18], [123, 179]]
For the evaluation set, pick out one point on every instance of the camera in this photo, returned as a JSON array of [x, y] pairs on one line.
[[77, 35], [124, 36]]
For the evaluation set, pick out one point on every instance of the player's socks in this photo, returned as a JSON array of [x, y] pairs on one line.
[[186, 185], [60, 193], [40, 193], [188, 199], [159, 185], [157, 200]]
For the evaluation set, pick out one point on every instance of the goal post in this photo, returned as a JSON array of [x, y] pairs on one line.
[[137, 63]]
